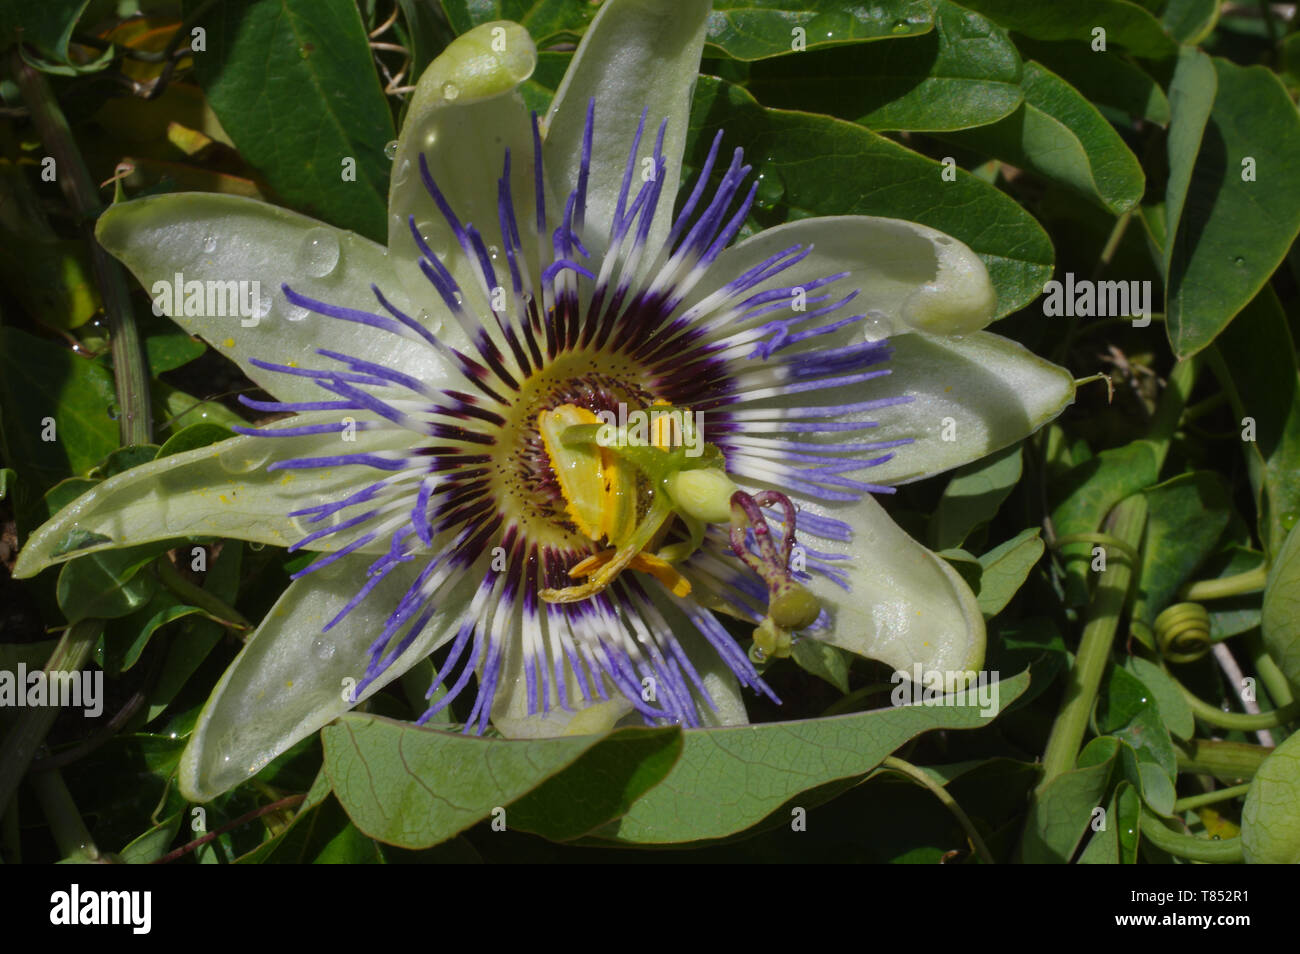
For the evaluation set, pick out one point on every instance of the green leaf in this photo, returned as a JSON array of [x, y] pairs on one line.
[[293, 83], [751, 29], [1005, 569], [57, 408], [549, 21], [823, 661], [1128, 27], [1187, 515], [1062, 810], [1119, 84], [817, 165], [1058, 134], [600, 786], [47, 26], [193, 437], [1190, 21], [1266, 405], [963, 73], [1280, 618], [1270, 819], [1243, 207], [1191, 97], [973, 496], [1095, 486], [1175, 712], [108, 584], [731, 779], [1128, 710], [168, 350], [125, 638], [415, 787], [154, 843]]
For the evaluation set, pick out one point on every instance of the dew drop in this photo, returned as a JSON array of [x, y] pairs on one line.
[[429, 321], [1289, 519], [244, 457], [875, 325], [256, 545], [450, 90], [771, 188], [1239, 261], [323, 649], [209, 244], [460, 299], [402, 173], [113, 412], [437, 239], [900, 26], [493, 252], [390, 149], [263, 307], [294, 312], [318, 254]]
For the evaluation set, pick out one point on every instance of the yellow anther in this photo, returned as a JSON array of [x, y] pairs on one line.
[[599, 491], [661, 570]]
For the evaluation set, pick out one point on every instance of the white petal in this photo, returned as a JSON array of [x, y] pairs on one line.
[[201, 237], [910, 277], [222, 490], [464, 115], [290, 679], [637, 54], [905, 606]]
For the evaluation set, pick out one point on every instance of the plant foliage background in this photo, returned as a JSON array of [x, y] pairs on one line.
[[1146, 141]]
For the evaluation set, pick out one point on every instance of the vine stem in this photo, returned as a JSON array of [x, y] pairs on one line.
[[32, 724], [129, 370], [1222, 759], [1239, 721], [70, 832], [1251, 581], [1126, 522], [1224, 852], [244, 819], [925, 781], [1193, 802]]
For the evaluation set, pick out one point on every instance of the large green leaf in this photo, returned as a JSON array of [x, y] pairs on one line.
[[1281, 614], [816, 165], [751, 29], [1191, 97], [963, 73], [1242, 210], [415, 787], [1266, 404], [731, 779], [1270, 819], [293, 83], [1120, 84], [741, 29], [1127, 26], [1058, 134], [1062, 810]]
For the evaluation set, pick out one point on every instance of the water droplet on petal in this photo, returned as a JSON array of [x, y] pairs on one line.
[[435, 237], [263, 307], [875, 325], [450, 90], [493, 252], [402, 172], [430, 321], [460, 299], [294, 312], [244, 457], [318, 254], [209, 244], [390, 149], [323, 649]]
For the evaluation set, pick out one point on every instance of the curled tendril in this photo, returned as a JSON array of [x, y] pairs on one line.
[[1183, 632]]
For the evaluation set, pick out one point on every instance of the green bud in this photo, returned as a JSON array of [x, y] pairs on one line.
[[704, 494], [794, 608]]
